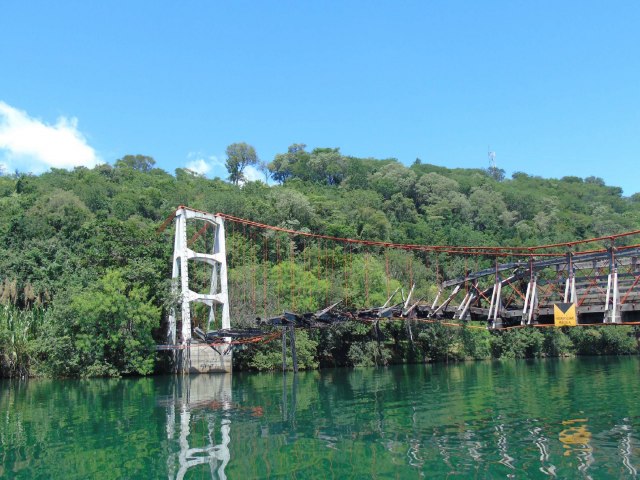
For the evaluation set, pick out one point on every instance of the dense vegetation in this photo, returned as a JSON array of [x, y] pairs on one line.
[[84, 273]]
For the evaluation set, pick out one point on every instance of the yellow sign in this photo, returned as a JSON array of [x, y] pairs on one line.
[[564, 315]]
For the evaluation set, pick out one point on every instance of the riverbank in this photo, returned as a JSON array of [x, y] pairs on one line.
[[32, 343], [359, 345]]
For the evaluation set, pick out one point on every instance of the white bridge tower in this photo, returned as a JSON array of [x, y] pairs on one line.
[[217, 295]]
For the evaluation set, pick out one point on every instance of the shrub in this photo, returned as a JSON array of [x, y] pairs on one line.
[[557, 343], [476, 343], [268, 356], [518, 343], [368, 353], [19, 330]]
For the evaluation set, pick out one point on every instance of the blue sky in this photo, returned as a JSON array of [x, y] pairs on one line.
[[553, 87]]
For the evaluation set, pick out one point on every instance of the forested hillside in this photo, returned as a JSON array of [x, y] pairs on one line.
[[84, 273]]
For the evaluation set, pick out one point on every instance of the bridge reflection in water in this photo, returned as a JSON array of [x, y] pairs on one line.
[[406, 421], [199, 401], [571, 418]]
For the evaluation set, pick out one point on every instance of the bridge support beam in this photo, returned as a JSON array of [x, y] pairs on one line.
[[216, 296]]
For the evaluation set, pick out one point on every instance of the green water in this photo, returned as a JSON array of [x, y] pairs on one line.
[[573, 418]]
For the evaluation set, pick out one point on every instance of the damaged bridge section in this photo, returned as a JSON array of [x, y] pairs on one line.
[[602, 285]]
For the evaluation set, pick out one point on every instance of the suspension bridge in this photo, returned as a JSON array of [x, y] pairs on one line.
[[269, 280]]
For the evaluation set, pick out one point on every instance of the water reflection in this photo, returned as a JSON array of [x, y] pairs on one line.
[[481, 420], [576, 441], [542, 443], [548, 419], [204, 401], [625, 447], [505, 458], [200, 413]]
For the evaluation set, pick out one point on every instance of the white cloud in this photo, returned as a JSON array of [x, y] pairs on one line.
[[29, 144], [212, 165], [251, 174], [199, 166], [202, 164]]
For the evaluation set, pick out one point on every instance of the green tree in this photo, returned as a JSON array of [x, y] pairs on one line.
[[433, 187], [286, 165], [141, 163], [393, 178], [269, 356], [440, 197], [114, 322], [327, 165], [496, 173], [489, 210], [290, 207], [239, 156]]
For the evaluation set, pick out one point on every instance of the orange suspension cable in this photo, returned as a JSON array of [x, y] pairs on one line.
[[350, 262], [301, 291], [311, 283], [264, 274], [319, 266], [386, 269], [333, 264], [245, 242], [231, 263], [466, 273], [410, 262], [346, 280], [293, 282], [168, 220], [474, 250], [500, 251], [279, 269], [254, 260], [326, 270], [366, 279]]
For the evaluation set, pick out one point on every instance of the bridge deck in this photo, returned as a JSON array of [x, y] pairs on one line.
[[604, 286]]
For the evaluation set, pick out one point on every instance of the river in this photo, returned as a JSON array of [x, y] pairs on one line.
[[557, 418]]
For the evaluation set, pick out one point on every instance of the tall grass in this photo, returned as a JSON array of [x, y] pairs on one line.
[[18, 330]]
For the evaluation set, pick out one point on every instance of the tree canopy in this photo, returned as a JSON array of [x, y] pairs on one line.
[[74, 242], [239, 156]]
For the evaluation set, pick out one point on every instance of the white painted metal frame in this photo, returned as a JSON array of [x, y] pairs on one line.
[[217, 258]]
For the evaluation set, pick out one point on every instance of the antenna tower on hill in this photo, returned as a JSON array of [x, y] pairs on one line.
[[492, 158]]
